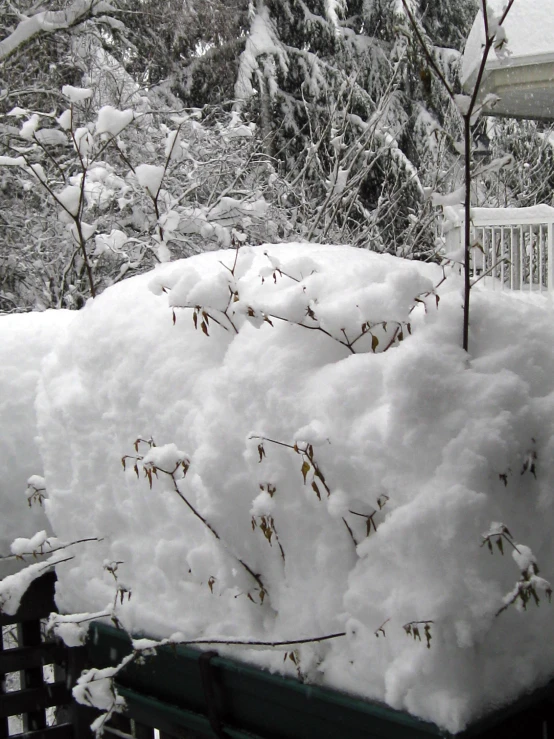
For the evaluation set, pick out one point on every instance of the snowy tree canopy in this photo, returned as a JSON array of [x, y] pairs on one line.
[[333, 97]]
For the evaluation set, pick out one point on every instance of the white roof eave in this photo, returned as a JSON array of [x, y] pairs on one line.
[[513, 62], [546, 57], [523, 81], [525, 87]]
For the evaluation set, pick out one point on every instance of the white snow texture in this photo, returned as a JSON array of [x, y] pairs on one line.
[[25, 340], [429, 443]]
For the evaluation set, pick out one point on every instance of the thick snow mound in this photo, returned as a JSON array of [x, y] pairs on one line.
[[334, 471], [25, 339]]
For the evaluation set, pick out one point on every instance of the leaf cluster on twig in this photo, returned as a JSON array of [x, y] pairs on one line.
[[497, 534], [311, 470], [413, 629], [395, 331], [529, 585]]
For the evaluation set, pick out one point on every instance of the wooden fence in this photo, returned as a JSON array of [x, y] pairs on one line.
[[25, 663], [37, 674], [182, 693]]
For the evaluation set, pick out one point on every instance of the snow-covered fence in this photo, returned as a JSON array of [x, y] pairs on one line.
[[179, 690], [512, 248], [25, 700]]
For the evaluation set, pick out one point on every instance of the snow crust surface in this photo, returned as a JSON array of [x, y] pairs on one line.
[[424, 447]]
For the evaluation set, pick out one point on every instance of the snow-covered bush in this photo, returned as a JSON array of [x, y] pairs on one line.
[[106, 192], [99, 192], [314, 456], [324, 149]]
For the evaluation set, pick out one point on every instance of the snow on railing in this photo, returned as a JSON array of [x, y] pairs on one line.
[[512, 248]]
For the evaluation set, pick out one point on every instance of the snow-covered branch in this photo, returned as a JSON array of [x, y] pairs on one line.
[[168, 460], [48, 21], [13, 587], [96, 687]]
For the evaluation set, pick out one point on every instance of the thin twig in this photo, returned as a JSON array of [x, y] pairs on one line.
[[504, 259], [426, 51], [49, 551], [350, 532], [195, 512], [255, 643]]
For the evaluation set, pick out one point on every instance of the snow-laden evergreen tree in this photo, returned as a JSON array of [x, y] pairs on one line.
[[447, 22], [529, 178], [346, 107], [350, 131], [54, 145]]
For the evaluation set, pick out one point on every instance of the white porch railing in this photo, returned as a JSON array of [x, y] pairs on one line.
[[512, 248]]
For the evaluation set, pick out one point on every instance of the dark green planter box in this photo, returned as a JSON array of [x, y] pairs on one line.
[[168, 691]]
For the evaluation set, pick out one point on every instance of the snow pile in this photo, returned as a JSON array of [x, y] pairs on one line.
[[307, 450], [25, 339]]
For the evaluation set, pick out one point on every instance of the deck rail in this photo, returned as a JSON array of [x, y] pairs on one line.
[[182, 693], [511, 248], [24, 653]]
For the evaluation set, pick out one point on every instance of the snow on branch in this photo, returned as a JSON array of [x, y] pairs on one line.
[[262, 40], [13, 587], [155, 460], [49, 21], [529, 585], [96, 687]]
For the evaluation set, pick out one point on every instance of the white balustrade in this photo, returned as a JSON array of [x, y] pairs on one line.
[[511, 248]]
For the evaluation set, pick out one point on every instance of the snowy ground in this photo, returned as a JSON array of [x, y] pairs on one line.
[[345, 484]]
